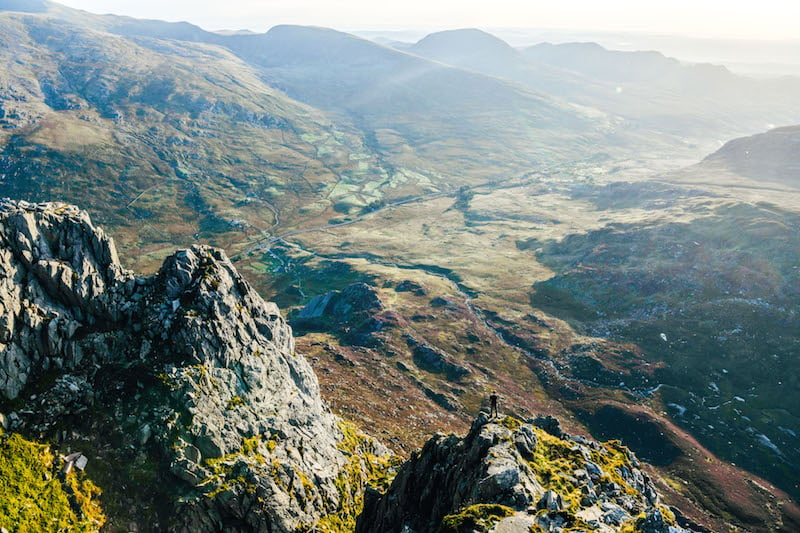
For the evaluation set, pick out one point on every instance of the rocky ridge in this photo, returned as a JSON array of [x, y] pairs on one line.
[[509, 476], [185, 384]]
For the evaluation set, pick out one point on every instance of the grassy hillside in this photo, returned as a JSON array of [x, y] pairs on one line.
[[579, 271], [716, 300], [769, 158], [177, 141]]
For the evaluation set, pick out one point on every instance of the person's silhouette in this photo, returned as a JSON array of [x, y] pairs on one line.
[[493, 404]]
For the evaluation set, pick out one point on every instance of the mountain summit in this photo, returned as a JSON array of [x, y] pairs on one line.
[[466, 48]]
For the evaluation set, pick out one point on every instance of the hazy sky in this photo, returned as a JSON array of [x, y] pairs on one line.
[[748, 19]]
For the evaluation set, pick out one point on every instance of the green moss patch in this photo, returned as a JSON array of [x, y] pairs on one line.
[[364, 468], [36, 497], [481, 517], [555, 461]]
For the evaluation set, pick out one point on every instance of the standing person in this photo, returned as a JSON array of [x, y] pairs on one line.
[[493, 404]]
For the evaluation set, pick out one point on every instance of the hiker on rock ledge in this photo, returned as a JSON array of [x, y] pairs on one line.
[[493, 404]]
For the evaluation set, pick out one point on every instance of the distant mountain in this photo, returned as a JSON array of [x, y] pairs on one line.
[[651, 91], [396, 97], [467, 48], [681, 95], [436, 109], [771, 156], [593, 60], [479, 51], [235, 32]]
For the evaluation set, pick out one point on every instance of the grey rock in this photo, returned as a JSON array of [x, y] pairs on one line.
[[654, 522], [434, 360], [411, 286], [206, 340], [551, 522], [595, 472], [81, 462], [192, 453], [339, 305], [550, 501], [514, 524], [525, 440], [614, 514], [351, 313], [492, 465], [550, 424]]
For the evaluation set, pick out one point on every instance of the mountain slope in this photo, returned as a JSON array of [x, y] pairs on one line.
[[177, 140], [773, 156], [441, 112]]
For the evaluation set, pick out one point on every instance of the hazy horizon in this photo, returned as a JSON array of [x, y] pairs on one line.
[[775, 20]]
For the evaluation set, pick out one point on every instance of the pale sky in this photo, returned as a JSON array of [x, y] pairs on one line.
[[750, 19]]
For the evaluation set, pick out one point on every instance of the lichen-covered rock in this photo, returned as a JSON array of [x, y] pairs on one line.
[[543, 481], [189, 370]]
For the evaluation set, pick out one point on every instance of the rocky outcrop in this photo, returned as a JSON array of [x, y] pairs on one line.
[[353, 314], [432, 359], [355, 301], [189, 370], [516, 477], [61, 289]]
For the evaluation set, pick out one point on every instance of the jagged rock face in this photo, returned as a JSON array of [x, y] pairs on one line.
[[545, 481], [231, 413], [450, 473], [61, 289]]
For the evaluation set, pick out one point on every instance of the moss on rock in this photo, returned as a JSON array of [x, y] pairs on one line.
[[365, 466], [35, 496], [481, 517]]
